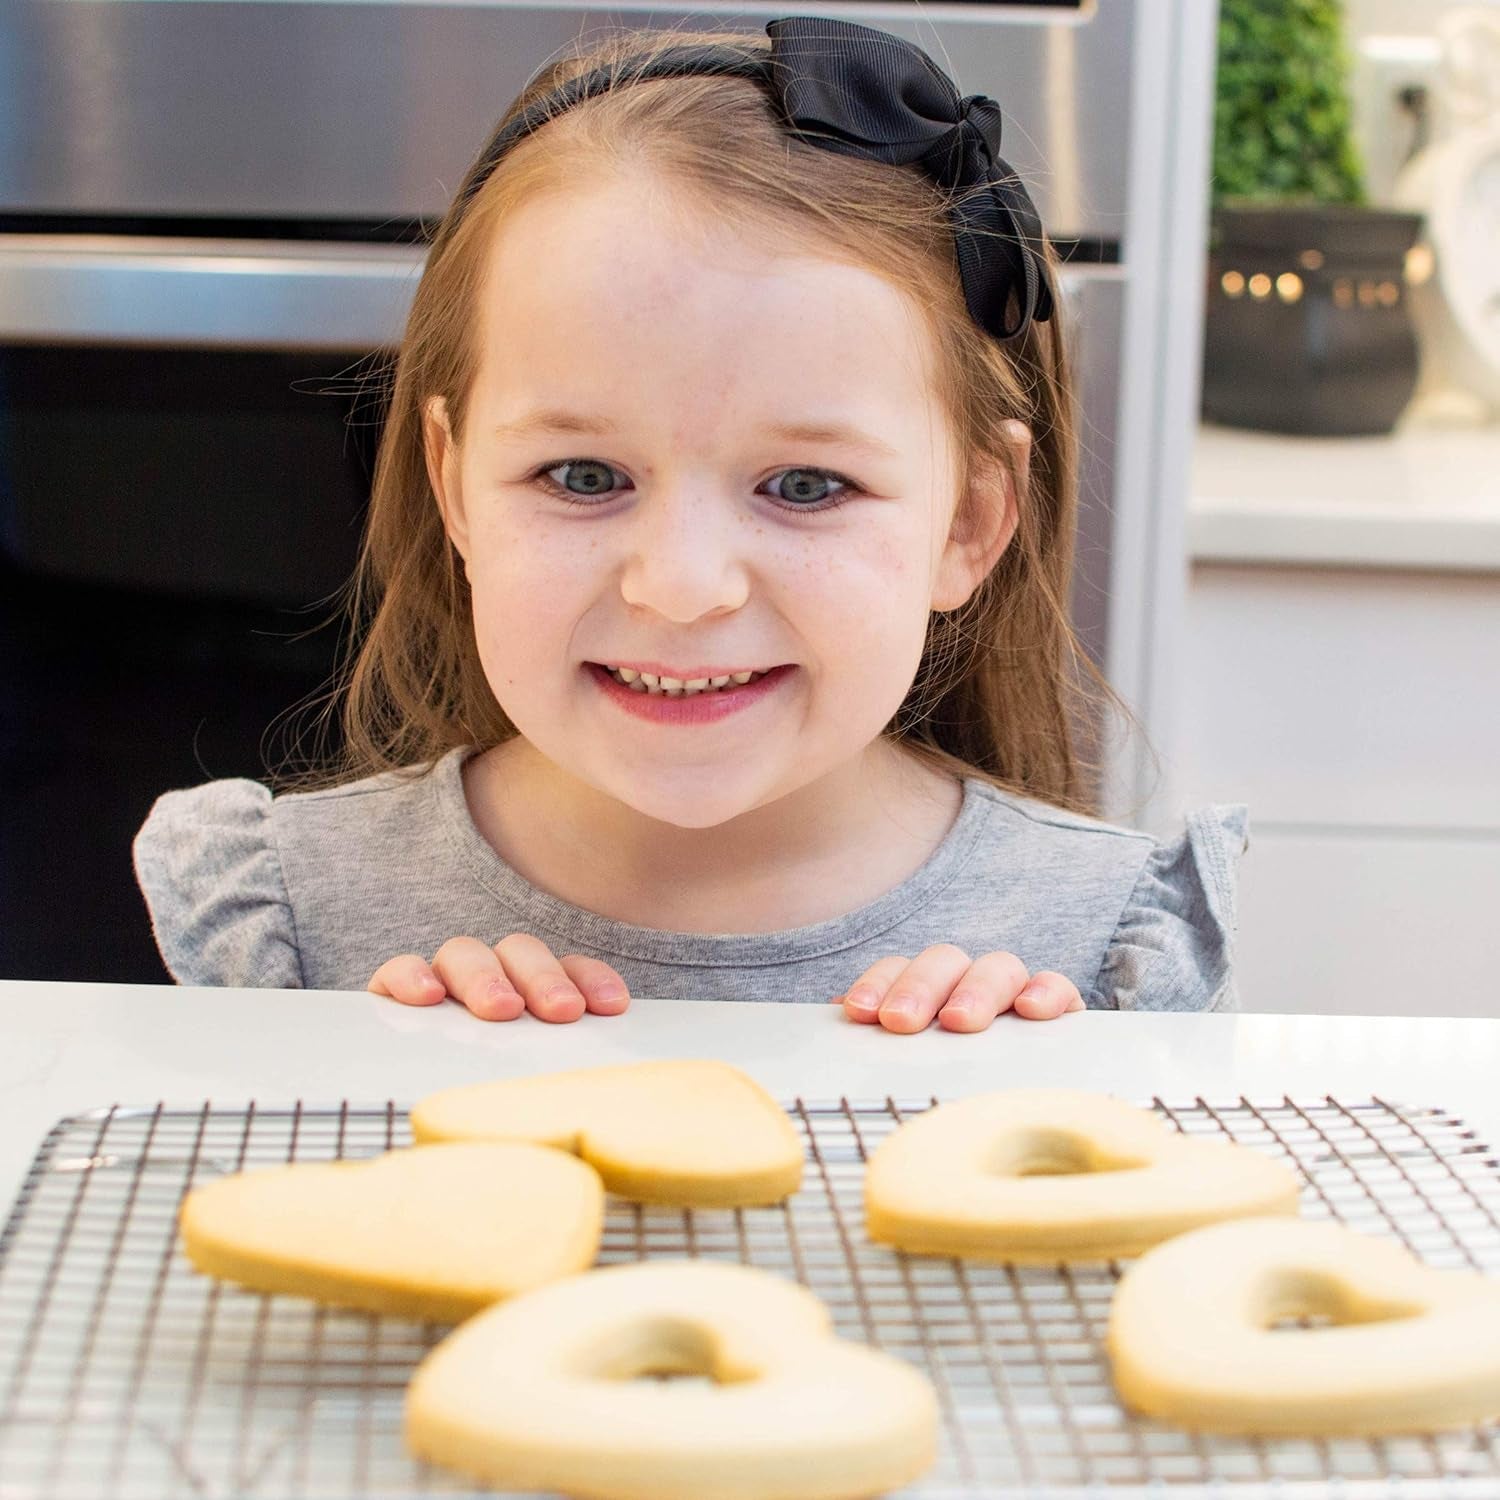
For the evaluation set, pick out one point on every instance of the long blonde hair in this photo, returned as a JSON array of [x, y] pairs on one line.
[[1004, 689]]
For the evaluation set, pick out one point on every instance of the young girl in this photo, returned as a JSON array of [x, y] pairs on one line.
[[713, 604]]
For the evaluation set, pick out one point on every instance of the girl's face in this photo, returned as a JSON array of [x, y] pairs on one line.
[[660, 421]]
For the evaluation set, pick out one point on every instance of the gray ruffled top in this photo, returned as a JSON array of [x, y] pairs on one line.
[[316, 890]]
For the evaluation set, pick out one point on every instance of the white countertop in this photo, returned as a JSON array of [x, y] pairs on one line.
[[69, 1048], [1422, 496]]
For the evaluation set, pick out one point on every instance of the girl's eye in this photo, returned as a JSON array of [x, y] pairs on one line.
[[810, 489], [582, 476]]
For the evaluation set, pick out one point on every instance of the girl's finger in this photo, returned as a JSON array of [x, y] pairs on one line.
[[1046, 995], [862, 1002], [604, 992], [472, 974], [920, 988], [531, 966], [409, 979], [991, 986]]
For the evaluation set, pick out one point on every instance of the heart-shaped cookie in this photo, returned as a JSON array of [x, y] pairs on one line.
[[698, 1133], [544, 1392], [1036, 1176], [436, 1233], [1412, 1349]]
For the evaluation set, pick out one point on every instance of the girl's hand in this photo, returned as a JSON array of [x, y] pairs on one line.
[[519, 973], [964, 996]]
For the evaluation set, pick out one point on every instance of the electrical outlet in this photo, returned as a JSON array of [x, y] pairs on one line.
[[1397, 102]]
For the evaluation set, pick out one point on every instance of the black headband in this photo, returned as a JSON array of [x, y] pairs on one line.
[[863, 92]]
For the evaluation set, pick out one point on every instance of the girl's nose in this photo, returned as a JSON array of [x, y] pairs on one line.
[[684, 554]]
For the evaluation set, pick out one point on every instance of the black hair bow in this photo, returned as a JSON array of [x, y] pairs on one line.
[[862, 92], [879, 96]]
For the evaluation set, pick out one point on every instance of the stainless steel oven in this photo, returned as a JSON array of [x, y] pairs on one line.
[[211, 219]]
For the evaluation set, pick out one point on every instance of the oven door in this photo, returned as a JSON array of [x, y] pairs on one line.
[[187, 435], [195, 416]]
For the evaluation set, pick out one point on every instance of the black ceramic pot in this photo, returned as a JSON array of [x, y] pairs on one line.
[[1306, 326]]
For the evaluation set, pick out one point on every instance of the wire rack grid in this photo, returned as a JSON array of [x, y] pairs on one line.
[[126, 1375]]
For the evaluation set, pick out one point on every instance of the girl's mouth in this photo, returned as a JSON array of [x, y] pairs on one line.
[[687, 705]]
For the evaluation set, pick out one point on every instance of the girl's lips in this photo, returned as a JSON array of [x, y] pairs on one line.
[[700, 708]]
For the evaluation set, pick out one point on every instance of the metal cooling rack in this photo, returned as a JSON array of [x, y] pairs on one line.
[[126, 1374]]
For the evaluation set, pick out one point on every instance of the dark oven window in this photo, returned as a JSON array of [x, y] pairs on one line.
[[175, 526]]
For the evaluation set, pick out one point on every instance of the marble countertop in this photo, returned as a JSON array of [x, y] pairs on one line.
[[71, 1048]]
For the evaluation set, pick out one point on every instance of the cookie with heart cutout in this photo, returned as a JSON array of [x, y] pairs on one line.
[[437, 1232], [1408, 1348], [550, 1392], [701, 1134], [1036, 1176]]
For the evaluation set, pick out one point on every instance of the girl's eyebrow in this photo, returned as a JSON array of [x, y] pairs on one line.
[[838, 434], [554, 420]]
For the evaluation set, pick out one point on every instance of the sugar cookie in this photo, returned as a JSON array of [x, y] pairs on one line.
[[436, 1233], [697, 1133], [1191, 1340], [1040, 1175], [541, 1393]]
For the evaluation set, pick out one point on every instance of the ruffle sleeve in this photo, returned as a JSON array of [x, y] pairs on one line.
[[207, 864], [1173, 948]]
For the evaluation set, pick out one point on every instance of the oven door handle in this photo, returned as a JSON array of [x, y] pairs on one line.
[[231, 294], [191, 293]]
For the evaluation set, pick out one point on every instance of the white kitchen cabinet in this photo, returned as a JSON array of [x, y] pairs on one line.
[[1354, 704]]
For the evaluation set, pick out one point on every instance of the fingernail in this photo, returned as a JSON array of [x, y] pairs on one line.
[[430, 982], [862, 998], [901, 1006], [499, 989], [610, 991], [561, 994], [964, 1005]]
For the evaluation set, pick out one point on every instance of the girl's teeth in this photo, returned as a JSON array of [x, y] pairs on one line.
[[676, 687]]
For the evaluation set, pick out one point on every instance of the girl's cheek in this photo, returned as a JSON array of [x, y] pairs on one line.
[[880, 568], [513, 557]]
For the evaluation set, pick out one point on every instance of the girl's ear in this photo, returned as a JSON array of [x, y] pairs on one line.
[[988, 523], [441, 454]]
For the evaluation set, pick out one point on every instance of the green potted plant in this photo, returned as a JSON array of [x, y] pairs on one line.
[[1306, 323]]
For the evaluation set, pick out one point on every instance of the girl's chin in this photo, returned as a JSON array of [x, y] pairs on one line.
[[707, 795]]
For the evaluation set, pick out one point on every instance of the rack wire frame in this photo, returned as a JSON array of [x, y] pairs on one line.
[[125, 1374]]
